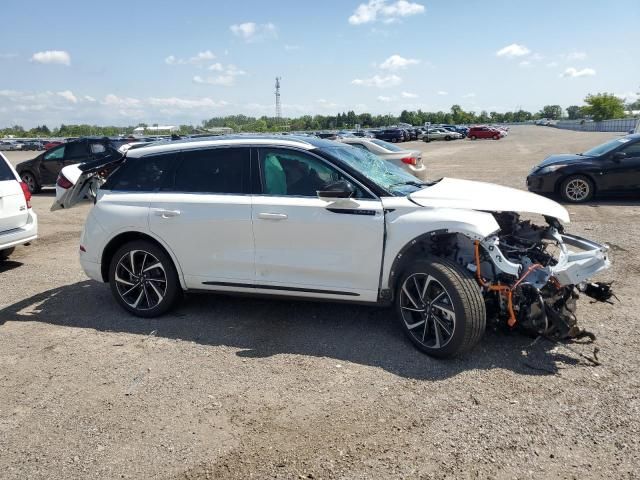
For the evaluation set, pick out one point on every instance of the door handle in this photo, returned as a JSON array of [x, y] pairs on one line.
[[273, 216], [166, 213]]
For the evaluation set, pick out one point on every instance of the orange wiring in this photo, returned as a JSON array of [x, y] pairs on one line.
[[501, 289]]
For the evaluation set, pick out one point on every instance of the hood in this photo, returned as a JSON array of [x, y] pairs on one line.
[[470, 195], [565, 158]]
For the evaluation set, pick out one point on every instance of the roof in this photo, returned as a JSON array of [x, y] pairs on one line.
[[305, 143]]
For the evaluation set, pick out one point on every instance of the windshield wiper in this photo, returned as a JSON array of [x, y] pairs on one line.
[[410, 182]]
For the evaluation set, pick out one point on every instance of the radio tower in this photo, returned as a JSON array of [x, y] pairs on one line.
[[278, 107]]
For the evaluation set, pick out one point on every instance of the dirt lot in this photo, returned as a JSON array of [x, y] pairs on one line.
[[253, 388]]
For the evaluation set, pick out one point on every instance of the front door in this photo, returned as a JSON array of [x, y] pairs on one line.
[[308, 246], [622, 174], [51, 164], [204, 216]]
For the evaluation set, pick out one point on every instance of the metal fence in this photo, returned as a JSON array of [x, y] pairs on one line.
[[616, 125]]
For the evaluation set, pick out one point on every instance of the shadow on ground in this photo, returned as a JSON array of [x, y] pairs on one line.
[[6, 265], [266, 327]]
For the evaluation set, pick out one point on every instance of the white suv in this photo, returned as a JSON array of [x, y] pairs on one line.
[[18, 221], [313, 218]]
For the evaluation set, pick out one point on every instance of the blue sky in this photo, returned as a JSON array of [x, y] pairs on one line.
[[174, 62]]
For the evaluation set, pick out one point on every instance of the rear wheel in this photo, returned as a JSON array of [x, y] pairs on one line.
[[394, 140], [447, 138], [143, 279], [576, 189], [496, 137], [4, 254], [473, 137], [30, 180], [440, 308]]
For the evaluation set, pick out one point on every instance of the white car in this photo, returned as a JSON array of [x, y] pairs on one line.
[[18, 221], [410, 160], [317, 219], [10, 145], [440, 134]]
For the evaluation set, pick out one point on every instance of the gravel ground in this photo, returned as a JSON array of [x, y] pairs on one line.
[[253, 388]]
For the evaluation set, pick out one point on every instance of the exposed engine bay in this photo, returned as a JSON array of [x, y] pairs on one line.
[[530, 275]]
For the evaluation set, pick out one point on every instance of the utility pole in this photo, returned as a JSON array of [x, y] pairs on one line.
[[278, 106]]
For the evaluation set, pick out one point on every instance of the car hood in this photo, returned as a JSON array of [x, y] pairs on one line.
[[470, 195], [564, 158]]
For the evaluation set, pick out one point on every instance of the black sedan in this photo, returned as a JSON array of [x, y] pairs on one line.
[[610, 168], [43, 170]]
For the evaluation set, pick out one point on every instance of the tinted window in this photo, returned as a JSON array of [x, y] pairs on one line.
[[56, 154], [5, 171], [146, 174], [218, 170], [75, 150], [632, 150]]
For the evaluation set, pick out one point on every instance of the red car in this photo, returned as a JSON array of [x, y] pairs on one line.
[[484, 132], [50, 145]]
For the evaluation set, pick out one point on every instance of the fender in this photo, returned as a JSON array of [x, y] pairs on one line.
[[406, 228]]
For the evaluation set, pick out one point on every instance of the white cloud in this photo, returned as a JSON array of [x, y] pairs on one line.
[[185, 103], [114, 100], [469, 95], [227, 77], [291, 48], [576, 56], [89, 98], [326, 104], [552, 64], [408, 95], [575, 73], [52, 56], [198, 59], [396, 62], [513, 50], [382, 98], [378, 81], [525, 63], [442, 92], [7, 56], [68, 95], [252, 32], [386, 12]]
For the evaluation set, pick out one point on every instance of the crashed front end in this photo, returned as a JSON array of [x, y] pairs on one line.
[[531, 276]]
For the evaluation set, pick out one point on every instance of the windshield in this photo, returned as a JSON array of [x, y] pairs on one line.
[[386, 145], [605, 147], [385, 174]]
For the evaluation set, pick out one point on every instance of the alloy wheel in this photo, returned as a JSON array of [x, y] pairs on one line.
[[141, 280], [577, 190], [30, 181], [427, 310]]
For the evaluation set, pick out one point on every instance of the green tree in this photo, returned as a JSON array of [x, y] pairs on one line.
[[603, 106], [552, 112], [574, 112]]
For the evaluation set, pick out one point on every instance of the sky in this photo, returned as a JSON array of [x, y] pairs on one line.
[[183, 62]]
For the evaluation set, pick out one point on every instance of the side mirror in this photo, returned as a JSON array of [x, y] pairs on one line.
[[619, 156], [339, 189]]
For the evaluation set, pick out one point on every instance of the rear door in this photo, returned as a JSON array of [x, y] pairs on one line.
[[204, 217], [13, 207]]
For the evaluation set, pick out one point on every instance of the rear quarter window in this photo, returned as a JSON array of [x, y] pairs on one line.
[[5, 171], [144, 174], [217, 170]]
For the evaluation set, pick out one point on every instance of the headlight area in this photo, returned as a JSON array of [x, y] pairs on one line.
[[531, 276]]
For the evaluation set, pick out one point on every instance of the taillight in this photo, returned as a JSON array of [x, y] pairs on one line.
[[63, 182], [27, 194], [410, 160]]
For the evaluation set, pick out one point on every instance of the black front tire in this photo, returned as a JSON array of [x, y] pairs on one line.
[[577, 189], [462, 327], [150, 303], [6, 253]]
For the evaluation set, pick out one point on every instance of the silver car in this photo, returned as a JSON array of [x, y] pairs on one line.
[[410, 160], [440, 134]]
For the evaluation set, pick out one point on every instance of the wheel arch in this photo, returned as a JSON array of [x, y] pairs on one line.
[[564, 176], [120, 239]]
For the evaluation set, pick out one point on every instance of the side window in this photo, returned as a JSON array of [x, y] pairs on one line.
[[5, 171], [56, 154], [75, 151], [97, 148], [145, 174], [632, 151], [292, 173], [216, 170]]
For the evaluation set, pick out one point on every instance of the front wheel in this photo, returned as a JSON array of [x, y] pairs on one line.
[[496, 137], [473, 137], [440, 307], [143, 279], [6, 253], [576, 189], [447, 138]]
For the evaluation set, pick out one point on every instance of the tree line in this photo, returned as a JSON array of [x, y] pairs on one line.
[[601, 106]]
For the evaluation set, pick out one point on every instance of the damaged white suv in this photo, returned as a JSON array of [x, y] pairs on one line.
[[311, 218]]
